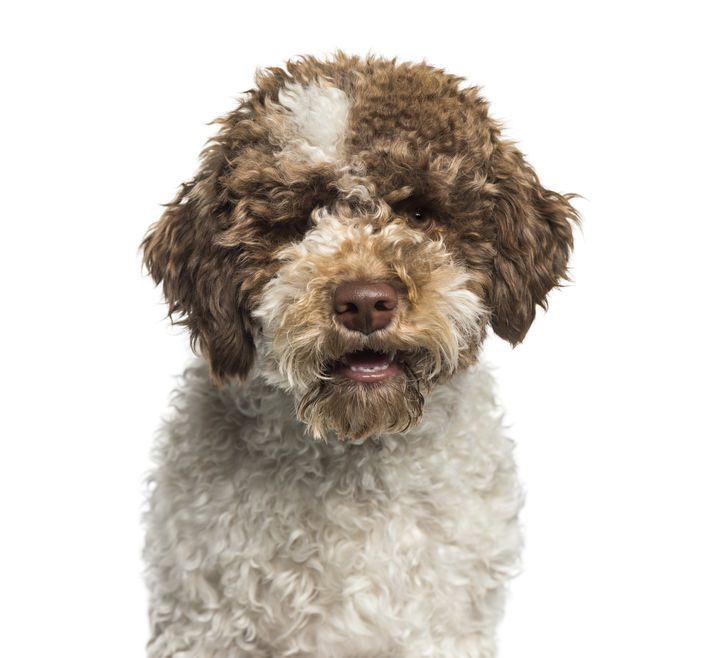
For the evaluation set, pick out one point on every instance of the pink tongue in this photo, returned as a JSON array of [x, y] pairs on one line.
[[366, 359]]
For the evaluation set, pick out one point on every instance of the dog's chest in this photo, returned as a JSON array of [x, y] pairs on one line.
[[334, 538]]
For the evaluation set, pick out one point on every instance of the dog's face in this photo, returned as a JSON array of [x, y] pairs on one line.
[[355, 226]]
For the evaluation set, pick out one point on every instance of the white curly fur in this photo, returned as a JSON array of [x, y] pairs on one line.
[[263, 542], [314, 121]]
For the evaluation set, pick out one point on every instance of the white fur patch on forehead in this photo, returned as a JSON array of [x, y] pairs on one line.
[[309, 121]]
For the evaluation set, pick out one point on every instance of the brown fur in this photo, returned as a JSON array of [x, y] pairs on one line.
[[417, 140]]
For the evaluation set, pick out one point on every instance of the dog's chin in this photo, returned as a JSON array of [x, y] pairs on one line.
[[366, 394]]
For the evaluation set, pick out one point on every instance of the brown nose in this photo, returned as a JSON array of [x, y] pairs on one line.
[[365, 307]]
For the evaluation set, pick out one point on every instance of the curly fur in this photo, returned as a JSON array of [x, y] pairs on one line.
[[295, 512]]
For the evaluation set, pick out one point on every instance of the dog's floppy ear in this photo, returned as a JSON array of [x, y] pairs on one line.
[[533, 241], [197, 274]]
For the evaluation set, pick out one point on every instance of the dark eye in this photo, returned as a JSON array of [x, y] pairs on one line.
[[422, 219]]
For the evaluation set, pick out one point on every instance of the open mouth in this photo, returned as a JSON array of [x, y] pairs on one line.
[[369, 365]]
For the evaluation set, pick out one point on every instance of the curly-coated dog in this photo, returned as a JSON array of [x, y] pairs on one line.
[[334, 482]]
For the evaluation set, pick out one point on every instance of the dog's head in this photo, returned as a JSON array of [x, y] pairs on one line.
[[358, 224]]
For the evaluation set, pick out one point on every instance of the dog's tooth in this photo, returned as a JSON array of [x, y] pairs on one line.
[[369, 369]]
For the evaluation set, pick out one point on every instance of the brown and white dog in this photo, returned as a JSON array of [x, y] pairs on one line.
[[334, 482]]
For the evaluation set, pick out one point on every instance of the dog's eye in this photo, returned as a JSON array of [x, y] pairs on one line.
[[422, 219]]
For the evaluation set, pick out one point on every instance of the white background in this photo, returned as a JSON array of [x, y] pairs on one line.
[[616, 398]]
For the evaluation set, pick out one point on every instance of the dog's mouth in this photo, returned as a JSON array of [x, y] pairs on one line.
[[364, 393], [369, 365]]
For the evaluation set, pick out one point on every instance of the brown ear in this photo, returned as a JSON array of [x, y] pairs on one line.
[[534, 240], [197, 275]]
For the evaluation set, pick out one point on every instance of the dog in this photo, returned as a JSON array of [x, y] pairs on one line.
[[334, 481]]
